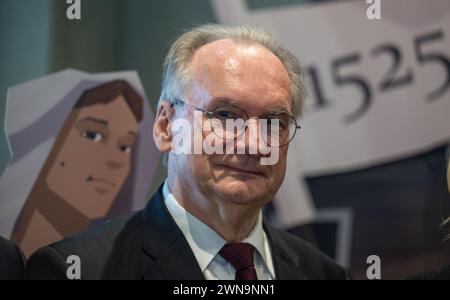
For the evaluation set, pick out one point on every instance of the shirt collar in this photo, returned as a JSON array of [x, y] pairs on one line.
[[203, 240]]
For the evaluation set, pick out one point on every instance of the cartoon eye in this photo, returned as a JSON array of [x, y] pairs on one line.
[[125, 149], [96, 137]]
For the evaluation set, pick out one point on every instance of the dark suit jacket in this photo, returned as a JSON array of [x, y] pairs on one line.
[[12, 261], [441, 274], [149, 245]]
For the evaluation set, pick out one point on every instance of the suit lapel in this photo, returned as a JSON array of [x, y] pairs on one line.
[[286, 261], [167, 254]]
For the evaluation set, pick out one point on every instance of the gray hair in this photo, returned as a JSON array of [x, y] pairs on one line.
[[176, 66]]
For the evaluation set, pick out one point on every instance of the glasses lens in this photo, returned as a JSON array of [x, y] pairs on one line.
[[278, 130], [228, 122]]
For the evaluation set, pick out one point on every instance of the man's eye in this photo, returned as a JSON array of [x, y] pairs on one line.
[[224, 114], [96, 137], [125, 149], [278, 122]]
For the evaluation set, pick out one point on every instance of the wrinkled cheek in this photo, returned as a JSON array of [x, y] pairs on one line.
[[278, 174]]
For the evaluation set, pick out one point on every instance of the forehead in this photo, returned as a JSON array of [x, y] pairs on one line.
[[116, 113], [247, 73]]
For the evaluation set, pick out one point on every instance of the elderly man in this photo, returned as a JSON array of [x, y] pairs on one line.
[[205, 222], [11, 261]]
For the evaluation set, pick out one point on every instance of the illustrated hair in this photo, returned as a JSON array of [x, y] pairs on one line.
[[109, 91]]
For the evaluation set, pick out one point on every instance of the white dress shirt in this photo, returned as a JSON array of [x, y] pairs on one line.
[[206, 244]]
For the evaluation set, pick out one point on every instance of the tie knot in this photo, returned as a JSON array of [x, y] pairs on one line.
[[240, 255]]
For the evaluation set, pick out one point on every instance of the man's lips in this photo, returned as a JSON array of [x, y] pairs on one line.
[[240, 169]]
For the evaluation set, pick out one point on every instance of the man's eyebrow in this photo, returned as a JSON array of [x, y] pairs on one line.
[[132, 133], [225, 100], [96, 120], [280, 111], [230, 101]]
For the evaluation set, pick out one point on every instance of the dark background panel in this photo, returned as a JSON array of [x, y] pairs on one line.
[[397, 213]]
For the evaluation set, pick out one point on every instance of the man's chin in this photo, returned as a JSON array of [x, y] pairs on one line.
[[241, 192]]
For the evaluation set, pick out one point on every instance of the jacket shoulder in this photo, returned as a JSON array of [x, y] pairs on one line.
[[93, 247], [11, 260], [311, 261], [97, 240]]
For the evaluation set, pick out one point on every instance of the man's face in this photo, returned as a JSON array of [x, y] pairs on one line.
[[253, 79], [94, 159]]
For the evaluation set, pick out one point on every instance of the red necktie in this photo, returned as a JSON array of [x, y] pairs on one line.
[[240, 256]]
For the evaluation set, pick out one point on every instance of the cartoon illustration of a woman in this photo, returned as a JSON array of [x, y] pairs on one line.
[[97, 133]]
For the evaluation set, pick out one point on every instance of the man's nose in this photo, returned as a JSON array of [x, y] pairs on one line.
[[251, 141]]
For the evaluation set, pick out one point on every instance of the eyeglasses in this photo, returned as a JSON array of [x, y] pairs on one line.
[[229, 122]]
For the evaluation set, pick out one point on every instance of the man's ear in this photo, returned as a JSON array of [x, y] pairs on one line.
[[162, 134]]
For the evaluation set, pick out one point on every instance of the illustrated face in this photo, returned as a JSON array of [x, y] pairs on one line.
[[253, 78], [94, 159]]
